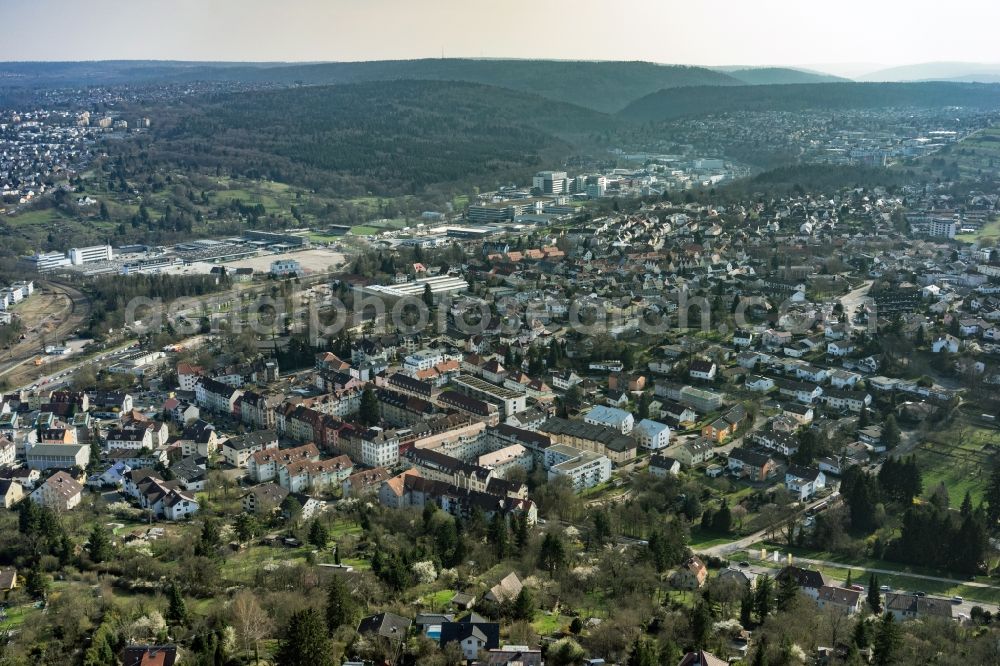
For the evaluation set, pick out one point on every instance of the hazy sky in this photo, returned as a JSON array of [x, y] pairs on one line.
[[722, 32]]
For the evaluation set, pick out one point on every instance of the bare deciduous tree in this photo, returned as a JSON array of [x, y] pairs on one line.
[[251, 622]]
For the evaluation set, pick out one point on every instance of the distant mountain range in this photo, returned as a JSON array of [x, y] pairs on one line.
[[601, 86], [756, 76], [681, 102], [938, 71]]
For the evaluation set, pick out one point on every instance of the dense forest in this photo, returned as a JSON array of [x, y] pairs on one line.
[[701, 100], [382, 138], [604, 86]]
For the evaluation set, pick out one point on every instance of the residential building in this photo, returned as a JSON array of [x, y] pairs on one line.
[[652, 435], [57, 456], [584, 469], [661, 466], [59, 492], [840, 598], [612, 417], [804, 482]]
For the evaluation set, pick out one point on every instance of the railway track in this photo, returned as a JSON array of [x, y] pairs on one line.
[[13, 370]]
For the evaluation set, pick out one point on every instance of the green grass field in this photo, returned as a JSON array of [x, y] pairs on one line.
[[961, 458], [547, 623], [990, 230], [364, 230]]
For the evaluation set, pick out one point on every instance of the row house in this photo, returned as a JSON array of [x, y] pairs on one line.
[[216, 396], [237, 450], [441, 467], [472, 407], [802, 391], [258, 410], [780, 442], [400, 409], [408, 385], [751, 464], [454, 435], [365, 482], [411, 490], [594, 438], [163, 498], [303, 424], [372, 447], [854, 401]]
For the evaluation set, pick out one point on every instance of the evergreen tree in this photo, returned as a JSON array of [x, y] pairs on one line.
[[176, 614], [863, 418], [701, 624], [966, 509], [991, 497], [208, 542], [519, 523], [788, 590], [890, 433], [498, 536], [340, 606], [643, 653], [246, 527], [305, 642], [602, 527], [760, 654], [887, 641], [369, 414], [318, 534], [428, 296], [36, 582], [862, 636], [523, 607], [746, 607], [99, 545], [552, 555], [874, 597], [762, 597], [722, 520]]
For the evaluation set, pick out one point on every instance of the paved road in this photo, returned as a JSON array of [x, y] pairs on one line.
[[852, 299]]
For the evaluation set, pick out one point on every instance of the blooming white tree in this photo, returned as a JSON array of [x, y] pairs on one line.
[[425, 571]]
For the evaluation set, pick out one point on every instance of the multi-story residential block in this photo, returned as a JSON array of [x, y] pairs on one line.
[[264, 465]]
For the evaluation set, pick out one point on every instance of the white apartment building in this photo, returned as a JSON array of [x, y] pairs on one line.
[[85, 255], [652, 435]]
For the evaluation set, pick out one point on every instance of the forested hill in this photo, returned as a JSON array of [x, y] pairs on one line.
[[757, 76], [604, 86], [694, 101], [380, 137]]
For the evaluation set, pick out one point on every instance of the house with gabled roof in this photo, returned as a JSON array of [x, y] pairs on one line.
[[809, 580], [506, 590], [59, 492]]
